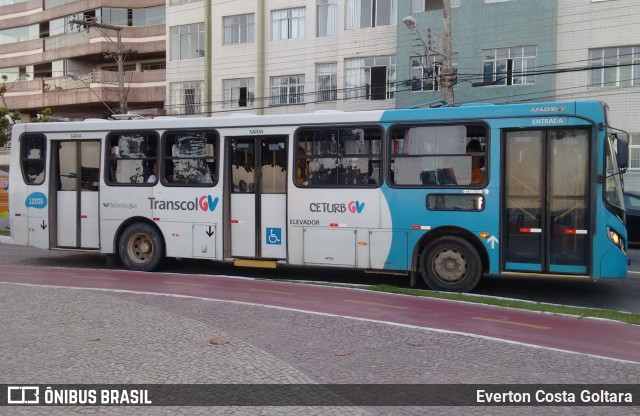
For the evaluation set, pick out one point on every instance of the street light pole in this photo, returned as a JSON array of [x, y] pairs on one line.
[[412, 25], [445, 76]]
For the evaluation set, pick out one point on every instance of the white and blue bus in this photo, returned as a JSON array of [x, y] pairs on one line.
[[447, 194]]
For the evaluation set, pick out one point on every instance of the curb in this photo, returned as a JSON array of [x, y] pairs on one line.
[[6, 240]]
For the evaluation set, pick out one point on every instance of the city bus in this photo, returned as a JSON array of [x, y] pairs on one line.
[[447, 194]]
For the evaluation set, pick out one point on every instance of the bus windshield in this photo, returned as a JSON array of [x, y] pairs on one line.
[[613, 184]]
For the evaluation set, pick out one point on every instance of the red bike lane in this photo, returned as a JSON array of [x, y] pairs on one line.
[[594, 337]]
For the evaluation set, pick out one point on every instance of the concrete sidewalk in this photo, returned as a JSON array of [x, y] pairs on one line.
[[6, 240], [58, 335]]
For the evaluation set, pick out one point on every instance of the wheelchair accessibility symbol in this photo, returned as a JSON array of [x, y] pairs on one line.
[[274, 236]]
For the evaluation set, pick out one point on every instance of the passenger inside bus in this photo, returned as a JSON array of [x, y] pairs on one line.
[[168, 171], [152, 176], [205, 174], [302, 171], [243, 174], [477, 162]]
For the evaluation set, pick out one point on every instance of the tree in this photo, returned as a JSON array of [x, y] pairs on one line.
[[43, 117], [7, 118]]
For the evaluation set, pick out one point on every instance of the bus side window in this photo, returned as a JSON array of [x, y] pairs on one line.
[[189, 158], [32, 152], [338, 157], [131, 156], [438, 155]]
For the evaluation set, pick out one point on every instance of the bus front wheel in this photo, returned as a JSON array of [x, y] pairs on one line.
[[140, 247], [450, 264]]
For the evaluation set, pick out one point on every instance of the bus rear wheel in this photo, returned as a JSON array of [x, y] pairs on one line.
[[140, 247], [450, 264]]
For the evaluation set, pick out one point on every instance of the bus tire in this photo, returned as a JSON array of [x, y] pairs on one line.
[[140, 247], [450, 264]]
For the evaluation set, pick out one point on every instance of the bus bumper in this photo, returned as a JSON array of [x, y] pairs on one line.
[[614, 264]]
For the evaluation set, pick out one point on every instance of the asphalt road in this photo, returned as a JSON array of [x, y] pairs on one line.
[[64, 335], [586, 336], [622, 295]]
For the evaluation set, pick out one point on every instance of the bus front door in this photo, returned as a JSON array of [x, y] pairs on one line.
[[77, 175], [258, 205], [546, 201]]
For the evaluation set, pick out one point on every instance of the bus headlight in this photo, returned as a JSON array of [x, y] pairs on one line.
[[616, 238]]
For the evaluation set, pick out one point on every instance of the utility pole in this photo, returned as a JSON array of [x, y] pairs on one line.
[[446, 80], [208, 59], [118, 56]]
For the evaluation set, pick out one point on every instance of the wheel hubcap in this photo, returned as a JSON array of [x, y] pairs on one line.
[[140, 248], [450, 265]]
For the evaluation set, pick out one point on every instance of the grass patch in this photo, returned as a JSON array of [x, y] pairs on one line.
[[630, 318], [6, 233], [626, 317]]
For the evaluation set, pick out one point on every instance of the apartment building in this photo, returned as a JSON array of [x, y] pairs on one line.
[[599, 48], [503, 51], [47, 61], [280, 56]]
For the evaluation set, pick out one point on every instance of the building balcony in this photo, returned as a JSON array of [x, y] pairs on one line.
[[32, 11], [87, 95], [146, 42]]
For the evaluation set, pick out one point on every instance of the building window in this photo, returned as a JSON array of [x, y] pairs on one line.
[[327, 17], [125, 68], [189, 158], [14, 74], [443, 155], [131, 17], [152, 66], [424, 76], [428, 5], [239, 29], [287, 24], [338, 157], [148, 16], [287, 89], [19, 34], [187, 41], [614, 67], [509, 66], [634, 152], [62, 25], [132, 158], [186, 97], [238, 92], [327, 82], [370, 78], [178, 2], [370, 13]]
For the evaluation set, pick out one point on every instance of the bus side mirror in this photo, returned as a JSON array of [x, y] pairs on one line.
[[622, 154]]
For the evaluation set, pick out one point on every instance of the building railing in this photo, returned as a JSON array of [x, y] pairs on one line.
[[90, 87]]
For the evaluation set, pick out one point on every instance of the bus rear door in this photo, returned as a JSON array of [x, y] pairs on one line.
[[76, 166], [258, 197], [546, 201]]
